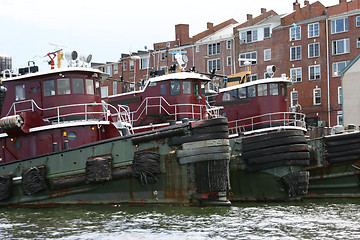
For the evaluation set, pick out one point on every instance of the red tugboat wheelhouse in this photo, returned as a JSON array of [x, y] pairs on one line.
[[60, 144]]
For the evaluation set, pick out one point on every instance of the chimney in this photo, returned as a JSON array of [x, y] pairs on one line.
[[210, 25], [342, 1], [263, 10], [182, 33], [296, 5], [306, 2], [249, 16]]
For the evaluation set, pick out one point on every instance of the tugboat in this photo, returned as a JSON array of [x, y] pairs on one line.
[[268, 145], [335, 164], [60, 144]]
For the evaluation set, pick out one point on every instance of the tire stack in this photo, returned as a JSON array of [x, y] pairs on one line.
[[342, 148], [208, 148], [287, 148]]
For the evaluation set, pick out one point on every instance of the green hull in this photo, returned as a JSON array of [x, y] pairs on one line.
[[335, 167], [69, 178], [260, 169]]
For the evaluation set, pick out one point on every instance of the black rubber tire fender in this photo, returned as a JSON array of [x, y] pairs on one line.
[[339, 137], [342, 154], [270, 136], [201, 151], [209, 122], [274, 142], [204, 157], [198, 137], [278, 157], [341, 142], [343, 159], [301, 147], [342, 148], [299, 162], [210, 129]]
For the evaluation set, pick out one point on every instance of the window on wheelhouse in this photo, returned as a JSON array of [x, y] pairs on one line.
[[251, 91], [186, 87], [242, 93], [230, 95], [283, 89], [63, 86], [274, 89], [174, 87], [90, 87], [262, 90], [49, 88], [19, 92], [78, 85], [163, 89], [197, 88]]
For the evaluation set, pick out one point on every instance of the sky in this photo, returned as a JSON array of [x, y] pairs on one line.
[[107, 28]]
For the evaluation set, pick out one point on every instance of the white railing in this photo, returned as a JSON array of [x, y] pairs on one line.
[[32, 106], [158, 105], [269, 120]]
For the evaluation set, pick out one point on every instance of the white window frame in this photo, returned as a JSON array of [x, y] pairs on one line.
[[248, 55], [267, 54], [295, 33], [317, 72], [197, 48], [339, 119], [104, 91], [335, 48], [339, 95], [214, 49], [335, 22], [114, 87], [297, 53], [298, 74], [228, 44], [357, 21], [294, 97], [316, 50], [211, 62], [254, 36], [313, 30], [316, 95], [228, 61], [335, 68], [124, 66], [269, 32], [131, 65], [358, 42], [145, 63], [162, 56]]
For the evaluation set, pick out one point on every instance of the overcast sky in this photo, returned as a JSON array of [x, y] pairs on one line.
[[107, 28]]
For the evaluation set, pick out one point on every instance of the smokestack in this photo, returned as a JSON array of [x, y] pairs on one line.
[[306, 3], [249, 16], [296, 5], [210, 25], [263, 10]]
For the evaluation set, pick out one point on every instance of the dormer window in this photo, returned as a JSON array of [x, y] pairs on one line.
[[19, 92]]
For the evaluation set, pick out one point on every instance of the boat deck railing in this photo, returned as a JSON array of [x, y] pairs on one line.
[[159, 106], [65, 111], [268, 121]]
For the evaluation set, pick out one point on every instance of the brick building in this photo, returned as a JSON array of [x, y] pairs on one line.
[[311, 45]]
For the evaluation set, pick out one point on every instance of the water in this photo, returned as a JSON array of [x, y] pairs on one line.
[[324, 220]]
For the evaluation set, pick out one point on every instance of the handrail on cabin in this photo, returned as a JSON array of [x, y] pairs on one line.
[[33, 106], [276, 119]]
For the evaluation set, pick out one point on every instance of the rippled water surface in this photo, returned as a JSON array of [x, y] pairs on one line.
[[324, 220]]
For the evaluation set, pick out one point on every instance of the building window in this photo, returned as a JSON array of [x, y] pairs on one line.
[[317, 96], [266, 32], [250, 57], [358, 21], [313, 30], [338, 67], [295, 33], [339, 118], [339, 25], [114, 87], [358, 42], [124, 66], [116, 69], [294, 98], [296, 74], [249, 36], [214, 64], [252, 77], [213, 48], [314, 50], [267, 54], [109, 70], [78, 85], [341, 46], [131, 65], [228, 61], [197, 48], [19, 92], [63, 86], [295, 53], [340, 95], [145, 63], [314, 72], [104, 91], [228, 44], [163, 56]]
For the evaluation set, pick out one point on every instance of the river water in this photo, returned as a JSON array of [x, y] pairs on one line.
[[310, 220]]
